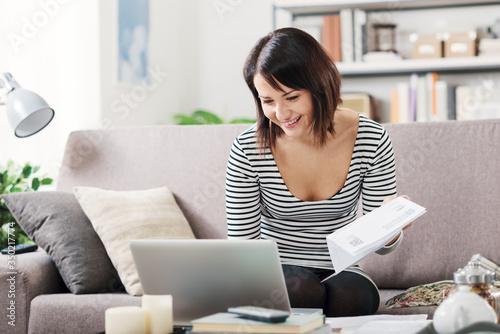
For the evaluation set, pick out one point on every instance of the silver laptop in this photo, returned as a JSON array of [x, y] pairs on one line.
[[208, 276]]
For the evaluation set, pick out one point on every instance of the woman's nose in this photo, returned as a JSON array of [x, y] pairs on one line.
[[282, 112]]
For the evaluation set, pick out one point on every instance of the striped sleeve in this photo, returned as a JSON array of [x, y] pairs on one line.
[[380, 182], [242, 196], [380, 178]]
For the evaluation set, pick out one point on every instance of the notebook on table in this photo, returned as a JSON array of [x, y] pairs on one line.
[[206, 276]]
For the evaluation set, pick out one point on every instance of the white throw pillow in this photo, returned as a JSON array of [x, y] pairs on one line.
[[120, 216]]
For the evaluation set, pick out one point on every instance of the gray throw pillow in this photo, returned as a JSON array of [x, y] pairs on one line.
[[57, 223]]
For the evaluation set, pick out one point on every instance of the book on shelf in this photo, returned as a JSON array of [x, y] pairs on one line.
[[403, 90], [412, 99], [313, 25], [432, 78], [359, 34], [330, 37], [360, 102], [347, 35], [423, 98], [232, 323], [394, 106], [422, 103]]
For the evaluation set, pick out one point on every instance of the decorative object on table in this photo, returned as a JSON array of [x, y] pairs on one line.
[[478, 327], [462, 309], [479, 281], [460, 44], [16, 179], [27, 112], [230, 322], [422, 295], [125, 320], [427, 46], [159, 314], [200, 117], [487, 264]]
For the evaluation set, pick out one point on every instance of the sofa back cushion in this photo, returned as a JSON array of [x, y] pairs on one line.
[[451, 168], [189, 160]]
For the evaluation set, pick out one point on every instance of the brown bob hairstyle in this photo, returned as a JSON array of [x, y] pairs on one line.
[[295, 59]]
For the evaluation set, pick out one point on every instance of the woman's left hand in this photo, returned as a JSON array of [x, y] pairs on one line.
[[388, 199]]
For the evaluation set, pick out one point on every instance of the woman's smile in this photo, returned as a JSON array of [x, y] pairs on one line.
[[292, 123]]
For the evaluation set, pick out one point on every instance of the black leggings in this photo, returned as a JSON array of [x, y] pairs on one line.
[[346, 294]]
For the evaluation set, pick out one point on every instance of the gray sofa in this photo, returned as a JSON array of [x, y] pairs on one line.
[[451, 168]]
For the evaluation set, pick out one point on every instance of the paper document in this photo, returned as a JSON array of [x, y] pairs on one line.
[[359, 321], [367, 234]]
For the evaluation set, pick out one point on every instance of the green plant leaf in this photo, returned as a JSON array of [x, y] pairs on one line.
[[15, 190], [206, 117], [46, 181], [27, 171], [5, 177], [36, 169], [242, 120], [186, 120], [35, 183]]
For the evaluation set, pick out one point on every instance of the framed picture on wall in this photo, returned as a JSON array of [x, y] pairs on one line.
[[133, 42]]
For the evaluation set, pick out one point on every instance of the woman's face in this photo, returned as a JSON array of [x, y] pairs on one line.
[[290, 109]]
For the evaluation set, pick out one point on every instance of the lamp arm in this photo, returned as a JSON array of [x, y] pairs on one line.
[[7, 84]]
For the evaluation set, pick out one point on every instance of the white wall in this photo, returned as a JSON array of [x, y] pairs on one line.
[[198, 48], [49, 47], [227, 34], [126, 104]]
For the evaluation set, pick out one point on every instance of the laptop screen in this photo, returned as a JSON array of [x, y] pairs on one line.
[[206, 276]]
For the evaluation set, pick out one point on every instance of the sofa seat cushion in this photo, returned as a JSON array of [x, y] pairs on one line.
[[69, 313]]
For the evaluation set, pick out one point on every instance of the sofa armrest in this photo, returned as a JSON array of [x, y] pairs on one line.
[[22, 278]]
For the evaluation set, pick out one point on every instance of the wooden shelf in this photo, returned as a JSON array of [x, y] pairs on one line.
[[301, 7], [407, 66]]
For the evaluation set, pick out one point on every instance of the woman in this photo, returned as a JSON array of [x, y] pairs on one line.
[[297, 175]]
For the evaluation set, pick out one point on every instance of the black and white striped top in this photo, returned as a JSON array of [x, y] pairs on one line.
[[259, 204]]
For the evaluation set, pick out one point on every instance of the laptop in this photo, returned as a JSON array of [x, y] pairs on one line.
[[206, 276]]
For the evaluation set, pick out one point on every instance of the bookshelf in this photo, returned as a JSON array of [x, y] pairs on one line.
[[379, 79], [302, 7], [408, 66]]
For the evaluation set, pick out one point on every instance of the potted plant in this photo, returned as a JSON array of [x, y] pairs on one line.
[[200, 117], [14, 179]]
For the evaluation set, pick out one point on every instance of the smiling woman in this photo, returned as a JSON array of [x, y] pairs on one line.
[[298, 174], [277, 62]]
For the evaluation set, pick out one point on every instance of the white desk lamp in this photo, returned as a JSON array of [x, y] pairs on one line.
[[27, 112]]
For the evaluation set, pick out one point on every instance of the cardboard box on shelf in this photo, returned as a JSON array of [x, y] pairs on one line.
[[427, 46], [460, 44]]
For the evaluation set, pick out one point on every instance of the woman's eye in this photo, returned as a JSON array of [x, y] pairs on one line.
[[292, 98], [267, 101]]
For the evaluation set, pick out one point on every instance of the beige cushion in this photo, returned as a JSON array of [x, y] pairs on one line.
[[121, 216]]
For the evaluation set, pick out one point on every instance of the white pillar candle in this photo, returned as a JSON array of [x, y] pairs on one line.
[[159, 314], [125, 320]]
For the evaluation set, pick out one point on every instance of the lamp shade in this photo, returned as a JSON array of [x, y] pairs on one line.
[[27, 112]]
